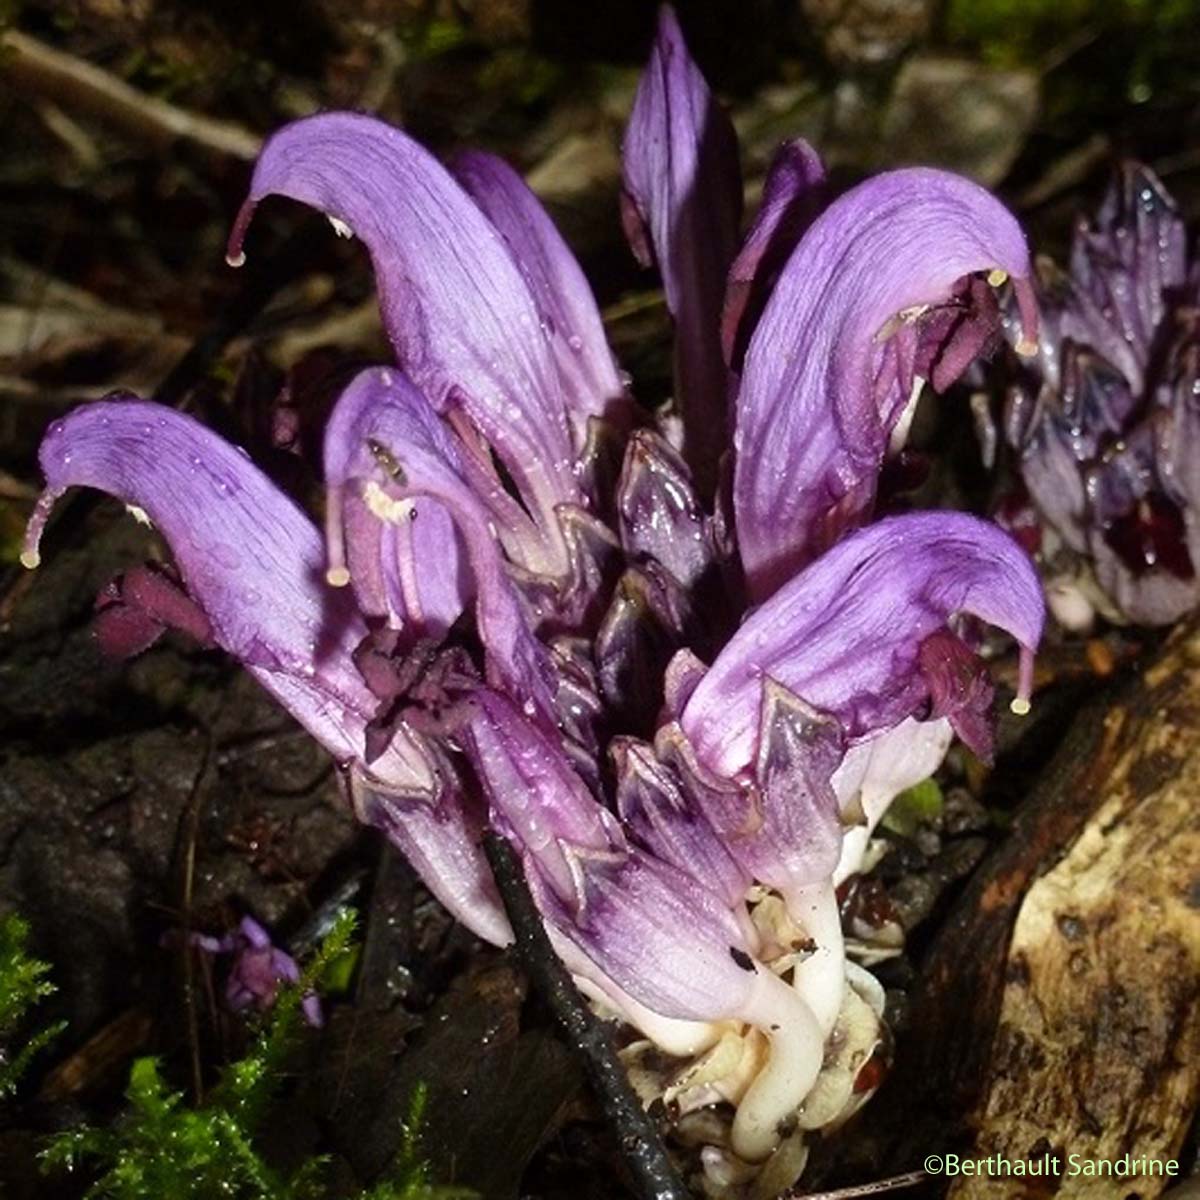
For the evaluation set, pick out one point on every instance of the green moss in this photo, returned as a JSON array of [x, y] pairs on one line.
[[916, 806], [23, 983], [162, 1146]]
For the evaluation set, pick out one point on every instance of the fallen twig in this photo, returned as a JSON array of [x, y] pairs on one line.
[[39, 70]]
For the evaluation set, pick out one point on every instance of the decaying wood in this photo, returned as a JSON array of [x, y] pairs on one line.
[[1058, 1009], [1097, 1050]]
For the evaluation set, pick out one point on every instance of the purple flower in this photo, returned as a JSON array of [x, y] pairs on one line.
[[502, 627], [259, 969], [1103, 421]]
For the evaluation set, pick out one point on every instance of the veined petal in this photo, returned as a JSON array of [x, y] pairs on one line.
[[457, 309], [779, 819], [248, 556], [440, 838], [661, 936], [385, 437], [535, 796], [657, 932], [660, 816], [845, 634], [823, 386], [682, 204], [794, 192], [591, 383]]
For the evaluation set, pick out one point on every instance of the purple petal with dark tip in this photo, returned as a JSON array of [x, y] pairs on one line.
[[455, 305], [780, 819], [794, 192], [591, 383], [248, 556], [830, 367], [661, 936], [385, 439], [682, 204], [844, 635], [536, 799]]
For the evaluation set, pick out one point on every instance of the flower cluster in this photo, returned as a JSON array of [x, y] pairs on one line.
[[1102, 419], [522, 574]]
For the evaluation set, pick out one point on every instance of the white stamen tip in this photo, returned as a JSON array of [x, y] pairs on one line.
[[30, 559], [337, 577], [236, 260], [1020, 706], [997, 276], [1026, 347]]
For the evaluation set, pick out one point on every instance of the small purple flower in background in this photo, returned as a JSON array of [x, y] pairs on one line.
[[258, 970], [1104, 420], [506, 621]]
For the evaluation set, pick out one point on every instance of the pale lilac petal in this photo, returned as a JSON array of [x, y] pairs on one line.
[[455, 305], [440, 838], [794, 192], [828, 373], [591, 382], [845, 634], [248, 556], [661, 936], [385, 439], [669, 941], [682, 206], [780, 820], [877, 770], [535, 797]]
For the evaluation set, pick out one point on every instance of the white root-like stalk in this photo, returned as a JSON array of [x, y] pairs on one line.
[[797, 1051], [820, 978]]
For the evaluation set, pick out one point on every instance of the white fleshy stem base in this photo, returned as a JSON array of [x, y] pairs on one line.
[[797, 1051], [820, 978]]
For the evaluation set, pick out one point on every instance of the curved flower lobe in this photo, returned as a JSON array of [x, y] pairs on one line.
[[250, 559], [457, 309], [830, 368], [845, 634], [591, 383]]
